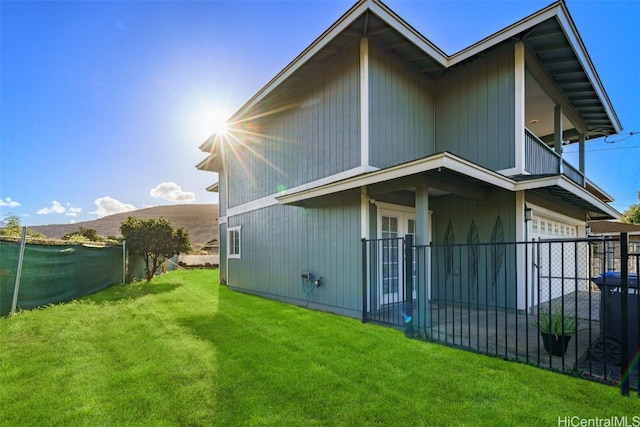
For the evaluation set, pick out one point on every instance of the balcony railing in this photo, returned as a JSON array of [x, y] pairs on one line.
[[540, 159]]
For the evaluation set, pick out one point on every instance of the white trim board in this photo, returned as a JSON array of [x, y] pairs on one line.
[[271, 199]]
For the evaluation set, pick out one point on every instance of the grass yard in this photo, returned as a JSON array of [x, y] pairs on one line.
[[183, 350]]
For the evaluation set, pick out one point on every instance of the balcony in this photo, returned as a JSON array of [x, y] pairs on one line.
[[540, 159]]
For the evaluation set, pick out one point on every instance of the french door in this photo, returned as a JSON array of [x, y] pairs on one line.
[[392, 227]]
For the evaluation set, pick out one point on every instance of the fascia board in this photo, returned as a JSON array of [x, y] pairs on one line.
[[207, 145], [505, 34], [204, 165], [570, 31], [600, 190], [406, 30]]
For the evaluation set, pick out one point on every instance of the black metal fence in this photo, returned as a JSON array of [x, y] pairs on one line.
[[566, 305]]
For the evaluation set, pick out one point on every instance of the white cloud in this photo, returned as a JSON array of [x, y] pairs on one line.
[[71, 211], [56, 207], [172, 192], [8, 202], [109, 206]]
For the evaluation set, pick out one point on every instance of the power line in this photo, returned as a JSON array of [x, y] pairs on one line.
[[605, 149], [623, 135]]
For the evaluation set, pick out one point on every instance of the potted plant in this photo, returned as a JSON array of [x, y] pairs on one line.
[[556, 330]]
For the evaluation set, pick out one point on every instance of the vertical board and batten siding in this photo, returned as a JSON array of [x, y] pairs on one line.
[[222, 194], [222, 227], [461, 211], [280, 242], [475, 111], [222, 250], [311, 133], [401, 111]]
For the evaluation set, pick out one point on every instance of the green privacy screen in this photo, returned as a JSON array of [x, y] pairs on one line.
[[56, 273]]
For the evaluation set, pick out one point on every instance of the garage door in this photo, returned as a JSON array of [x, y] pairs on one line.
[[559, 259], [545, 228]]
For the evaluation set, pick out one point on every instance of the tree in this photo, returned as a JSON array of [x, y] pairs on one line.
[[84, 234], [13, 228], [632, 215], [155, 240]]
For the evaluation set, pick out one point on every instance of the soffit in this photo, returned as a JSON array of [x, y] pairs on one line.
[[563, 189], [563, 60]]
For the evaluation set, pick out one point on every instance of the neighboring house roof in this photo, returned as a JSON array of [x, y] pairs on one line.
[[549, 33], [610, 227]]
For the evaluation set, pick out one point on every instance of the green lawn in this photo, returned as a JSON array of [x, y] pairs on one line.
[[182, 351]]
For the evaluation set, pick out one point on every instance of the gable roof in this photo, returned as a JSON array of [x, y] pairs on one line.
[[549, 33]]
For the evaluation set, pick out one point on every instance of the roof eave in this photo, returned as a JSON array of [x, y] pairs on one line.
[[374, 6], [444, 160], [559, 11], [568, 185]]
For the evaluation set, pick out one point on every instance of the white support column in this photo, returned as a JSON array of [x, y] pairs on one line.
[[364, 213], [581, 153], [519, 72], [521, 250], [364, 102], [423, 281], [557, 129]]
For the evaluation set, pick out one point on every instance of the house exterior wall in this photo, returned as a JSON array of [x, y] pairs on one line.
[[475, 111], [461, 211], [484, 213], [280, 242], [401, 108], [311, 133], [222, 230]]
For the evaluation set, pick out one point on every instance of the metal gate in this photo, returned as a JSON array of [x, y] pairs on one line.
[[495, 299]]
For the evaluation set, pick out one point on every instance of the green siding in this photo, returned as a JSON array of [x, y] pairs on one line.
[[309, 133], [401, 111], [461, 212], [222, 250], [222, 195], [280, 242], [475, 111]]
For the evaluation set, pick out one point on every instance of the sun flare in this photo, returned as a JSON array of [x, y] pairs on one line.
[[218, 122], [210, 121]]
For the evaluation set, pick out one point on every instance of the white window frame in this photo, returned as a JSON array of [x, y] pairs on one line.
[[230, 233]]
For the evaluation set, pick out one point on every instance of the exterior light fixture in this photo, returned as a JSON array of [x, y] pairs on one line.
[[528, 214]]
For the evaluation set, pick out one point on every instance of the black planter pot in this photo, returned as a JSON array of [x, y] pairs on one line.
[[556, 345]]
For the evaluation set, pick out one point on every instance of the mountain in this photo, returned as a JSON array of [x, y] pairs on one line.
[[200, 221]]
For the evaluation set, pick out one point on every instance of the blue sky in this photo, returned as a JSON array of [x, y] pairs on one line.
[[104, 104]]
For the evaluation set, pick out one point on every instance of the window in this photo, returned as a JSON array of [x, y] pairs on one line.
[[234, 242]]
